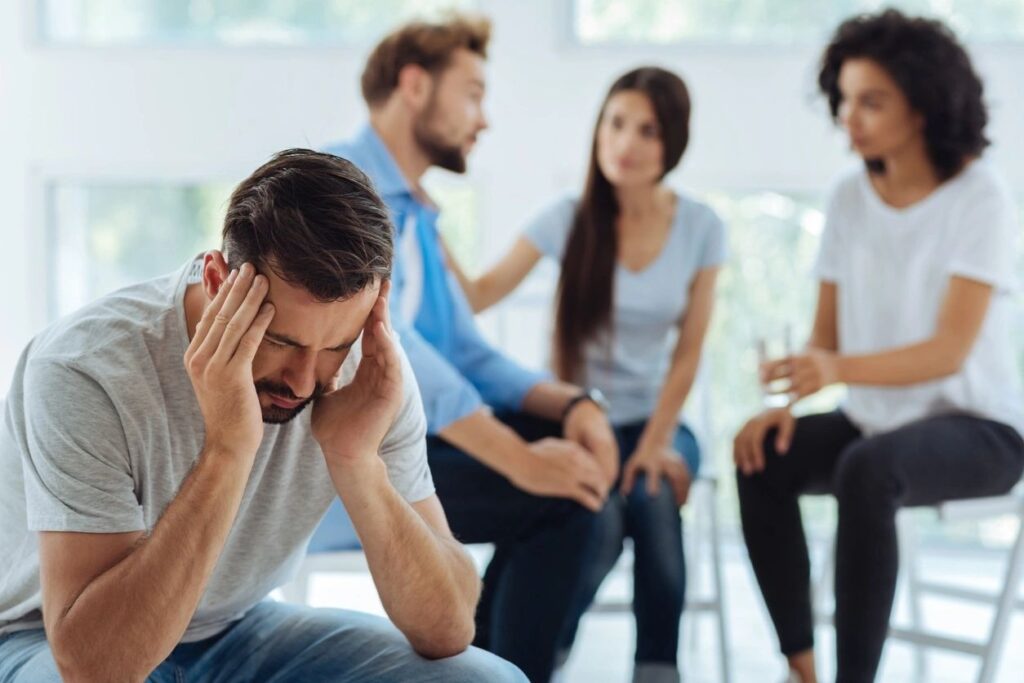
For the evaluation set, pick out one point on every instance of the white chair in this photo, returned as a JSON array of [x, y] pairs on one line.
[[1003, 602]]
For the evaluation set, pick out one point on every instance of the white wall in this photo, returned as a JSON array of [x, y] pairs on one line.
[[217, 113]]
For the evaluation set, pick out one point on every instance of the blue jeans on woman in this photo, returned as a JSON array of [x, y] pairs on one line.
[[659, 568]]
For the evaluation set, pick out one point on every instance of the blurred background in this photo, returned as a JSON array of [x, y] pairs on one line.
[[124, 125]]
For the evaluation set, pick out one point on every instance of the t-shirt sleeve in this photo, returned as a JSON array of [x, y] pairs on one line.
[[716, 247], [549, 229], [984, 244], [404, 449], [77, 469], [827, 266]]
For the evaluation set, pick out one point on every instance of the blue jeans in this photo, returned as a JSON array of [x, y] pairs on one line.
[[541, 545], [277, 642], [659, 568]]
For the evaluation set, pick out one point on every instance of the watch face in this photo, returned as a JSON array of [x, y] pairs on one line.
[[598, 397]]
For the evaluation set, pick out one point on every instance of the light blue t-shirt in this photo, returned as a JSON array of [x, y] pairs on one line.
[[630, 367]]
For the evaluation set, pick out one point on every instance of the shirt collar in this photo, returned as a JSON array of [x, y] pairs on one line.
[[379, 163]]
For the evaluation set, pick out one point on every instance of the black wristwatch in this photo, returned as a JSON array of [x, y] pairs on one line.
[[593, 395]]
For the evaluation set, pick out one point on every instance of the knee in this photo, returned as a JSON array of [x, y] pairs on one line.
[[864, 475], [475, 665]]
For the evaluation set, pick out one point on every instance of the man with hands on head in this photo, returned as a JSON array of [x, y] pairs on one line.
[[519, 460], [149, 505]]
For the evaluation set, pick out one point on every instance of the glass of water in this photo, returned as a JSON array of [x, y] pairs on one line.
[[775, 345]]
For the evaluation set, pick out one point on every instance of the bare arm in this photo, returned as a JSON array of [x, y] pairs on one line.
[[960, 319], [427, 582], [824, 334], [138, 593], [655, 455], [501, 279], [685, 359]]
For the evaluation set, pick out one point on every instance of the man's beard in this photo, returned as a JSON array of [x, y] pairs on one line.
[[441, 153], [277, 415]]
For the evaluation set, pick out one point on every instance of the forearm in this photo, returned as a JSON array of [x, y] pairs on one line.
[[549, 399], [127, 620], [487, 439], [911, 364], [661, 427], [427, 583]]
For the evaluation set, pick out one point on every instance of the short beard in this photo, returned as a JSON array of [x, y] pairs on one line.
[[441, 153], [275, 415]]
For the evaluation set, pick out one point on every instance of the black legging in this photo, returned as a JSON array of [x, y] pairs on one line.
[[924, 463]]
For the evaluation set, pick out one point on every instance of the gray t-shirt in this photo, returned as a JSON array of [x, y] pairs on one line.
[[102, 426], [630, 366]]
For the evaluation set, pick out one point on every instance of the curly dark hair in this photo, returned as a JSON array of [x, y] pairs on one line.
[[932, 69]]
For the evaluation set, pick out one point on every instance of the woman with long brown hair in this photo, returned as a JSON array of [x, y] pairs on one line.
[[638, 268]]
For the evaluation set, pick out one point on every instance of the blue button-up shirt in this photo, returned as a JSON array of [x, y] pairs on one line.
[[457, 370]]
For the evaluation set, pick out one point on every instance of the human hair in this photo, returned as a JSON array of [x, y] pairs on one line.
[[429, 45], [586, 284], [314, 220], [931, 68]]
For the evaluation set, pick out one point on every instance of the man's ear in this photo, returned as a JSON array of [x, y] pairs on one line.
[[215, 272], [415, 85]]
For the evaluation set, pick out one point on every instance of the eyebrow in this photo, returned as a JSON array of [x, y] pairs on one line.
[[285, 339]]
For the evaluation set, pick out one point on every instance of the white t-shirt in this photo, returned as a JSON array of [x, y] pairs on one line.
[[102, 426], [892, 268]]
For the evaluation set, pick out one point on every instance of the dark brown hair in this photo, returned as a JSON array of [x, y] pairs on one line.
[[587, 280], [932, 70], [313, 219], [429, 45]]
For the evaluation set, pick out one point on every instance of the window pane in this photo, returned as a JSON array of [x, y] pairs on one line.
[[228, 22], [779, 21], [106, 236]]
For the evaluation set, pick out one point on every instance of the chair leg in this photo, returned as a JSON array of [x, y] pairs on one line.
[[1004, 608], [716, 565]]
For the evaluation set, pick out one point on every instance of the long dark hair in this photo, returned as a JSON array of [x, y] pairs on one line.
[[586, 283], [932, 69]]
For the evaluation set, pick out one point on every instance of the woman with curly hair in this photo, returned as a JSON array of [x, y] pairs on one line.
[[915, 270]]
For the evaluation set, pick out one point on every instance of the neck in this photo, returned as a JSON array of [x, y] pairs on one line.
[[640, 202], [909, 169], [395, 130]]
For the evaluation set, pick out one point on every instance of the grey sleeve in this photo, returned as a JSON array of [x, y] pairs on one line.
[[549, 229], [77, 468], [404, 449]]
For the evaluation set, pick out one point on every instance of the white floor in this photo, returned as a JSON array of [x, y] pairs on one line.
[[604, 649]]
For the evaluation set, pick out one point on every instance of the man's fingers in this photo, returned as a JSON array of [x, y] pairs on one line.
[[588, 498], [242, 320], [238, 291], [212, 309], [253, 337]]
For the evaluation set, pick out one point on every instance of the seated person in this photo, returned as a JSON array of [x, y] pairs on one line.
[[638, 268], [148, 504], [519, 460], [915, 269]]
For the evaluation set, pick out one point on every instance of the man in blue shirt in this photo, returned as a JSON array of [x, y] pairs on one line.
[[518, 459]]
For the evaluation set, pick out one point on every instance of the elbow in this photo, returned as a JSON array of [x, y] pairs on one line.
[[78, 662], [447, 640]]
